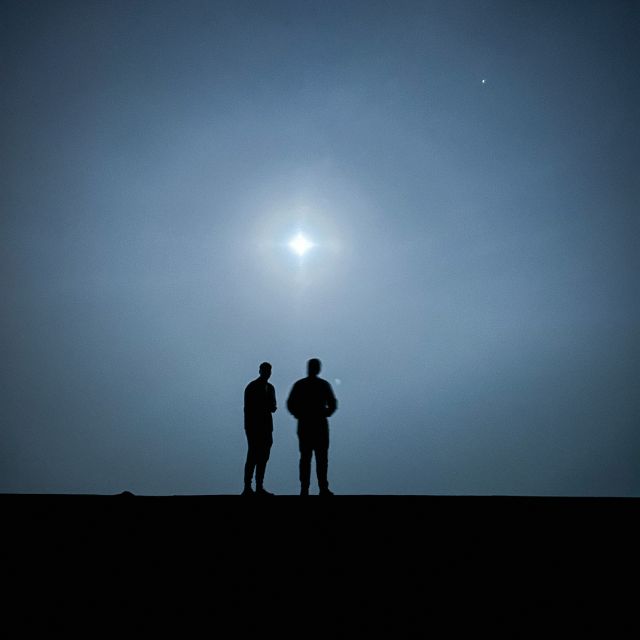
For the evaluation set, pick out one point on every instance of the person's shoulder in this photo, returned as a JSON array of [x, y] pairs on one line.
[[295, 389], [327, 387]]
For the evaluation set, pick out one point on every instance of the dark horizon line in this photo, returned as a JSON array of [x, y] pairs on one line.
[[129, 494]]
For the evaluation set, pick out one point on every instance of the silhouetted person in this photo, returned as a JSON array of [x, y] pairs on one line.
[[311, 402], [259, 404]]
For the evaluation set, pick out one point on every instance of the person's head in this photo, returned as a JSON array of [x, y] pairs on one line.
[[313, 367], [265, 370]]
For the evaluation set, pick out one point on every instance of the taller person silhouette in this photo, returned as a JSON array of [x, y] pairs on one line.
[[311, 402], [259, 404]]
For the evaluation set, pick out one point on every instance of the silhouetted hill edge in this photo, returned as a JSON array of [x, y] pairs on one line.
[[357, 563]]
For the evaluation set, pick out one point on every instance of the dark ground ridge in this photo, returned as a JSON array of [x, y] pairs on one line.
[[361, 564]]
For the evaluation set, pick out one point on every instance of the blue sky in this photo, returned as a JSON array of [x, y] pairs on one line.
[[472, 289]]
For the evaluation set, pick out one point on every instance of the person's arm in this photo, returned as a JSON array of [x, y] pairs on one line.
[[332, 403], [272, 399], [247, 399], [292, 402]]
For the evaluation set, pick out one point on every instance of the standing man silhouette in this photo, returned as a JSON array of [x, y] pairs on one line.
[[311, 402], [259, 404]]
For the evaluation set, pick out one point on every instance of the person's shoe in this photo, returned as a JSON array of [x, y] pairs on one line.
[[326, 492], [248, 491], [261, 491]]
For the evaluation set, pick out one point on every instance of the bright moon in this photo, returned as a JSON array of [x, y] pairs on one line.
[[300, 245]]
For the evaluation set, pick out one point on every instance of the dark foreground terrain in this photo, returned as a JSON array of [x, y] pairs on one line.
[[396, 566]]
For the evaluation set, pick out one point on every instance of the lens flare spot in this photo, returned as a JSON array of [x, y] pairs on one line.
[[300, 244]]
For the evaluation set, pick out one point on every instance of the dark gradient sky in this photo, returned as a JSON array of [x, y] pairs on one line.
[[473, 291]]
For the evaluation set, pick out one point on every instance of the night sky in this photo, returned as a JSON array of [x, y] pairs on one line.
[[466, 171]]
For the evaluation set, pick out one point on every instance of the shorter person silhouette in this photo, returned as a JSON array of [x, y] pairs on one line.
[[311, 402], [259, 404]]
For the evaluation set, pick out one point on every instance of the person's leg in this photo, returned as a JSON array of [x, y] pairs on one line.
[[322, 460], [261, 460], [249, 464], [322, 465], [306, 451]]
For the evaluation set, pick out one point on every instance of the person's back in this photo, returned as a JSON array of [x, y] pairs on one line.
[[311, 398], [311, 401], [259, 404]]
